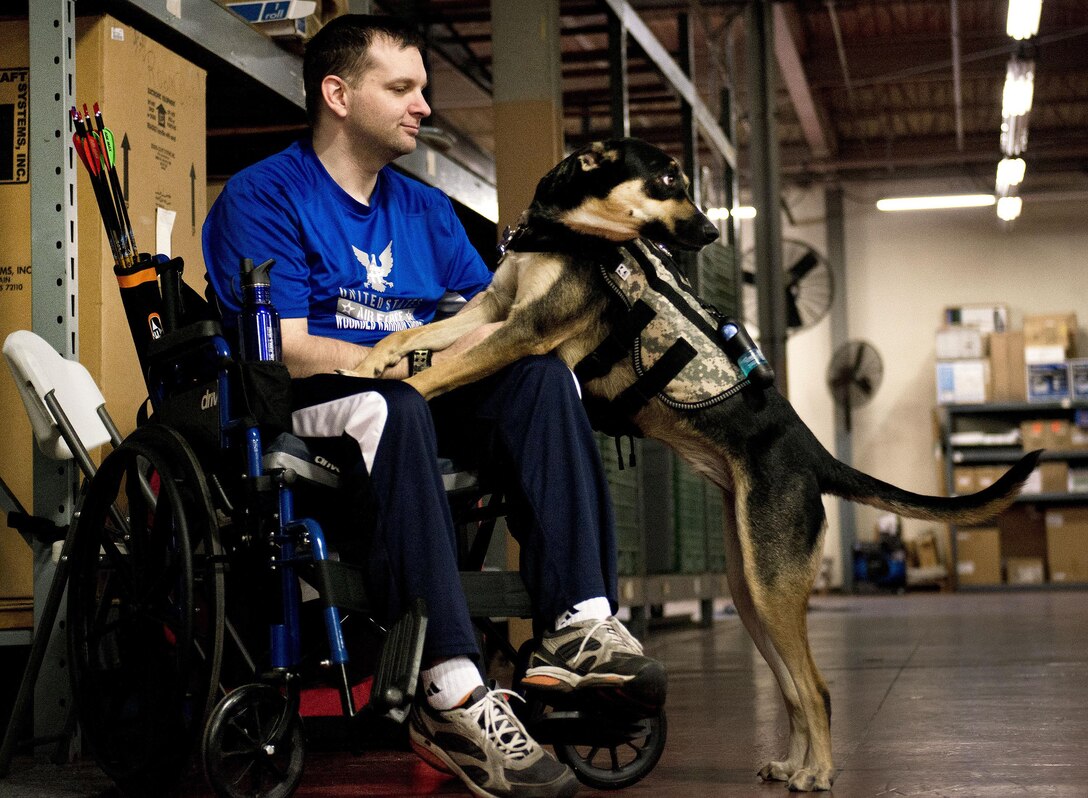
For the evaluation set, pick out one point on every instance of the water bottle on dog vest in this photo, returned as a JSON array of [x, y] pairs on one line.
[[259, 323], [743, 351]]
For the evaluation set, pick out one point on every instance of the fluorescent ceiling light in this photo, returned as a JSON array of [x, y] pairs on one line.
[[1014, 135], [1023, 21], [739, 212], [1019, 87], [1010, 172], [1008, 208], [935, 203]]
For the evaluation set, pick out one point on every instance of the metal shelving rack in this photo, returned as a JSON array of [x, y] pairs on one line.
[[1013, 412]]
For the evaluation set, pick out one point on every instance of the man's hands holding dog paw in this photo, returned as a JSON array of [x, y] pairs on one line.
[[387, 360]]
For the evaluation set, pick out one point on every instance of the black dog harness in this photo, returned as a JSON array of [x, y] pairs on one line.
[[671, 335]]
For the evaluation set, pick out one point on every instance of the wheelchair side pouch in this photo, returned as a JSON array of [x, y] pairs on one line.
[[267, 387]]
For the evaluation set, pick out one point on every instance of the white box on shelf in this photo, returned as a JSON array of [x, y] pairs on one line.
[[962, 381], [956, 343], [1044, 354], [988, 318]]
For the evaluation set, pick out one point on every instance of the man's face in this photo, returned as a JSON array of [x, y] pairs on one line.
[[385, 102]]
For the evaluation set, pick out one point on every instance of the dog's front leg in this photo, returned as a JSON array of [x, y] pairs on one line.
[[437, 335], [512, 341]]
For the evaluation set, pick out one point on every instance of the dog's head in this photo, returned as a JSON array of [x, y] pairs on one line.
[[621, 190]]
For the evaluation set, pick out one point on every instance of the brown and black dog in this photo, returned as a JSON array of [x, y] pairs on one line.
[[593, 216]]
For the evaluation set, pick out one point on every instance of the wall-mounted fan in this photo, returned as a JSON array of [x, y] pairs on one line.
[[809, 286], [854, 375]]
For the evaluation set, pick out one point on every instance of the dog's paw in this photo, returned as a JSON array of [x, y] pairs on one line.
[[777, 771], [810, 780]]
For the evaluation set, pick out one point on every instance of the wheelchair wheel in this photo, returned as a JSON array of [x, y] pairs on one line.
[[623, 753], [253, 746], [145, 611]]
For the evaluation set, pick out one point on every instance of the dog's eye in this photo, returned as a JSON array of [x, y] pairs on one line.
[[668, 180]]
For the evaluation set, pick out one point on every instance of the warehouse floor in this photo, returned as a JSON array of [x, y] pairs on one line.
[[976, 694]]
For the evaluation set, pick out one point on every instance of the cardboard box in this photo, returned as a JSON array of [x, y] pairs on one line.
[[987, 318], [1047, 382], [1033, 434], [925, 551], [1078, 379], [1008, 380], [1067, 544], [1048, 477], [978, 556], [964, 480], [961, 343], [1045, 433], [963, 381], [1054, 329], [1025, 571], [154, 102]]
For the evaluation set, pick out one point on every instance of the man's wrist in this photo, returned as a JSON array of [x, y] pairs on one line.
[[419, 360]]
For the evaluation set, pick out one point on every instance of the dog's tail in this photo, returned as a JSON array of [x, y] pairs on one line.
[[839, 479]]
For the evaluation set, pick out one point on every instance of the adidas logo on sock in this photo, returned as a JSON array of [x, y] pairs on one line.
[[433, 689]]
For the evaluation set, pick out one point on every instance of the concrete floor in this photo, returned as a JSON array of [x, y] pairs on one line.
[[978, 695]]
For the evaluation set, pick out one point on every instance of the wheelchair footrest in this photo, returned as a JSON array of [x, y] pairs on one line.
[[398, 666]]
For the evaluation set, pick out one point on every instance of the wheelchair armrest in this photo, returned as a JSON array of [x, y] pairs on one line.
[[171, 344]]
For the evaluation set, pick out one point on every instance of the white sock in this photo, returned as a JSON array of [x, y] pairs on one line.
[[593, 609], [448, 683]]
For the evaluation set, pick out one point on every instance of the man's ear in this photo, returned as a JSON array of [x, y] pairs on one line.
[[334, 94]]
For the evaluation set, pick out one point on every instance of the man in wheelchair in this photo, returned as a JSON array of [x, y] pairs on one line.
[[361, 251]]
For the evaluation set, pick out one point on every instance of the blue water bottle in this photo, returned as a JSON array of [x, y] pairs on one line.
[[259, 323], [743, 351]]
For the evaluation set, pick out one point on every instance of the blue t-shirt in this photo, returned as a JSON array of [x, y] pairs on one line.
[[357, 272]]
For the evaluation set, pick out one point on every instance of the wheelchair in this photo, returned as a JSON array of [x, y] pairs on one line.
[[186, 574]]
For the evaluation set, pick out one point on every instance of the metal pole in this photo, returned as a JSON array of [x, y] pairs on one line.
[[840, 332], [617, 75], [53, 256], [770, 282]]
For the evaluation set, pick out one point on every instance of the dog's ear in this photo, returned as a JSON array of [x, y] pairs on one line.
[[590, 159], [595, 154]]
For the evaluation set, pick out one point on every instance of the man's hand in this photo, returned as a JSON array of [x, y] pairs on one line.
[[306, 355]]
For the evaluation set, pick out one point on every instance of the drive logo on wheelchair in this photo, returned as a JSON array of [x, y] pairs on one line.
[[209, 400]]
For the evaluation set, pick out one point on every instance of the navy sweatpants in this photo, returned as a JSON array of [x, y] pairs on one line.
[[526, 432]]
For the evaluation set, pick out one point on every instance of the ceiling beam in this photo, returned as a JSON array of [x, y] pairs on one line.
[[820, 140], [670, 70]]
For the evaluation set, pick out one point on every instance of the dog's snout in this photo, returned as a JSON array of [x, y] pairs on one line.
[[708, 232]]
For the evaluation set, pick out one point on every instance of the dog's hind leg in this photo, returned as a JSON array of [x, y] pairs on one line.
[[779, 532]]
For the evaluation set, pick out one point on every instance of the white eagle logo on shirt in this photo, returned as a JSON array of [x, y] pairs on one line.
[[377, 269]]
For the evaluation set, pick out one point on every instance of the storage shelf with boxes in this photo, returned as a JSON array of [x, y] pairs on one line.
[[1002, 392], [1023, 546]]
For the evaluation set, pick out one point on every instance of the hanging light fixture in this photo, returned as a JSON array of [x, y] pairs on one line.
[[1019, 87], [1023, 19], [1008, 208], [1010, 173]]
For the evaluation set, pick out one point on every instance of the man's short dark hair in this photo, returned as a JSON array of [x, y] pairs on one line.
[[342, 47]]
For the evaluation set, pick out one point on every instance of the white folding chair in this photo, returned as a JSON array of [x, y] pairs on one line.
[[68, 416]]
